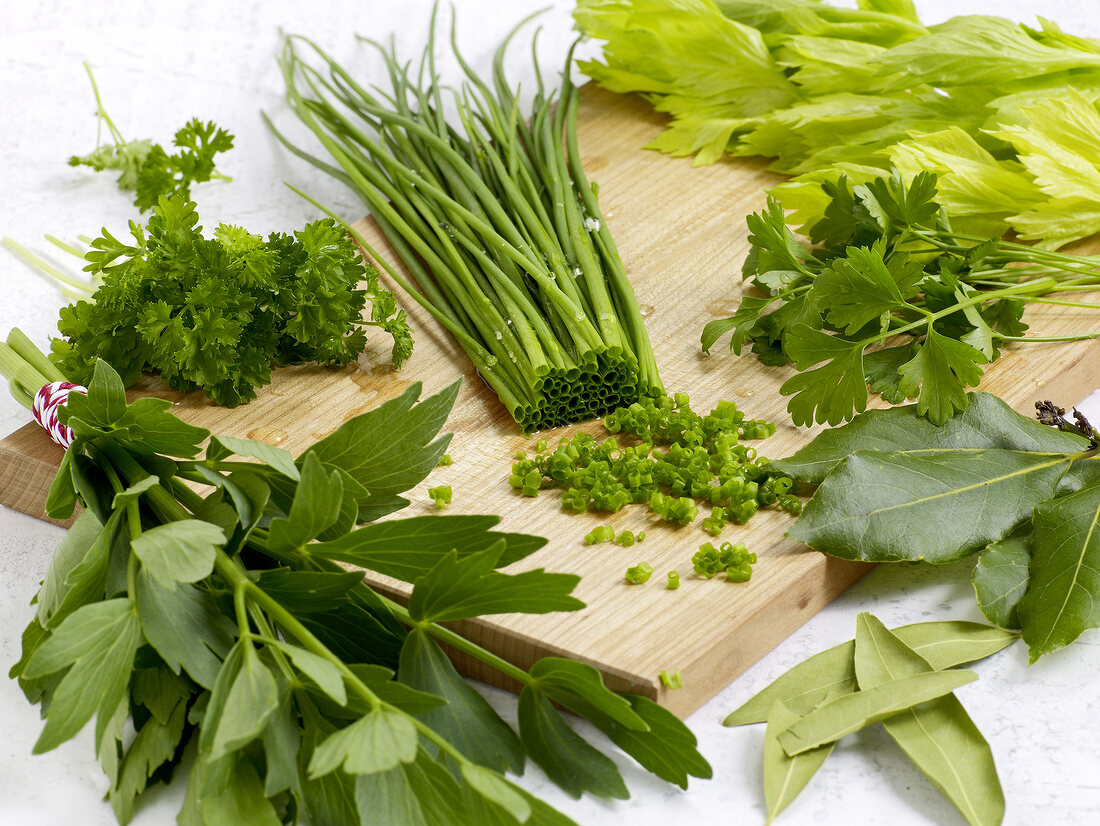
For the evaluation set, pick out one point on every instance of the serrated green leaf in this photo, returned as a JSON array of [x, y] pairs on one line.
[[222, 446], [880, 369], [467, 721], [150, 424], [316, 506], [741, 323], [377, 742], [308, 592], [388, 797], [468, 587], [156, 743], [1061, 602], [183, 624], [252, 698], [133, 492], [406, 549], [831, 393], [565, 680], [282, 739], [97, 643], [851, 712], [987, 422], [786, 776], [242, 801], [1000, 577], [860, 287], [496, 789], [567, 759], [940, 372], [330, 799], [180, 551], [865, 508], [325, 674], [389, 449]]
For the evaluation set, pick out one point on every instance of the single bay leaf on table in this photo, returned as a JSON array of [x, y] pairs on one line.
[[987, 422], [831, 673], [1000, 577], [1063, 597], [850, 713], [786, 776], [938, 507], [937, 735]]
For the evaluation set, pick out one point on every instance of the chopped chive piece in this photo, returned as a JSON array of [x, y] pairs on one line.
[[672, 679], [735, 560], [521, 455], [639, 574], [441, 494], [540, 445], [445, 460], [603, 533], [673, 580], [626, 539], [713, 523], [640, 537]]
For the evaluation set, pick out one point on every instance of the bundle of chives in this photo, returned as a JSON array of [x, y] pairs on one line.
[[495, 220]]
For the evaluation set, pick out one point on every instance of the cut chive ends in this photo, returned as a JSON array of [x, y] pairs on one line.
[[494, 219]]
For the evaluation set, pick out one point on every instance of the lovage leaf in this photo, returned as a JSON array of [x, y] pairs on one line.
[[99, 642], [468, 587], [564, 755], [1061, 602], [180, 551], [389, 449], [467, 721], [867, 507], [316, 506], [406, 549], [376, 742]]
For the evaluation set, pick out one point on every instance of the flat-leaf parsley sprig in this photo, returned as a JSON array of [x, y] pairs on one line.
[[887, 295], [223, 623]]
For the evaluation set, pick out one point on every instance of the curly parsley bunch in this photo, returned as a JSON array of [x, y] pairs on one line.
[[217, 313]]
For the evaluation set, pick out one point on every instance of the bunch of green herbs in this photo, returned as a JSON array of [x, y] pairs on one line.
[[888, 295], [217, 313], [147, 168], [224, 624], [903, 678], [1006, 113], [1020, 497], [496, 221]]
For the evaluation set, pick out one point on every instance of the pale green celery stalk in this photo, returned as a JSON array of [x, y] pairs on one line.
[[72, 288], [25, 368]]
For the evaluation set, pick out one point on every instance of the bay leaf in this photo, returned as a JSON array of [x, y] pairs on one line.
[[831, 673], [1001, 576], [1061, 600], [937, 735], [786, 776], [939, 506], [987, 422], [850, 713]]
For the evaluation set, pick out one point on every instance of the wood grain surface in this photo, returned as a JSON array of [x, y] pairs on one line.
[[682, 235]]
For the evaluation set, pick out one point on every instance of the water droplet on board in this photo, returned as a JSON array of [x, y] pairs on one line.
[[269, 436], [745, 394], [723, 308], [646, 310]]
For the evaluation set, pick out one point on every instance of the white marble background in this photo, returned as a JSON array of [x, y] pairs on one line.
[[160, 63]]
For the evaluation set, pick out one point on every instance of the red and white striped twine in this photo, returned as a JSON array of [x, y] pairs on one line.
[[47, 402]]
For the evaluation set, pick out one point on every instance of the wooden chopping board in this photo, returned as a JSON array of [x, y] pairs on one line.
[[682, 235]]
